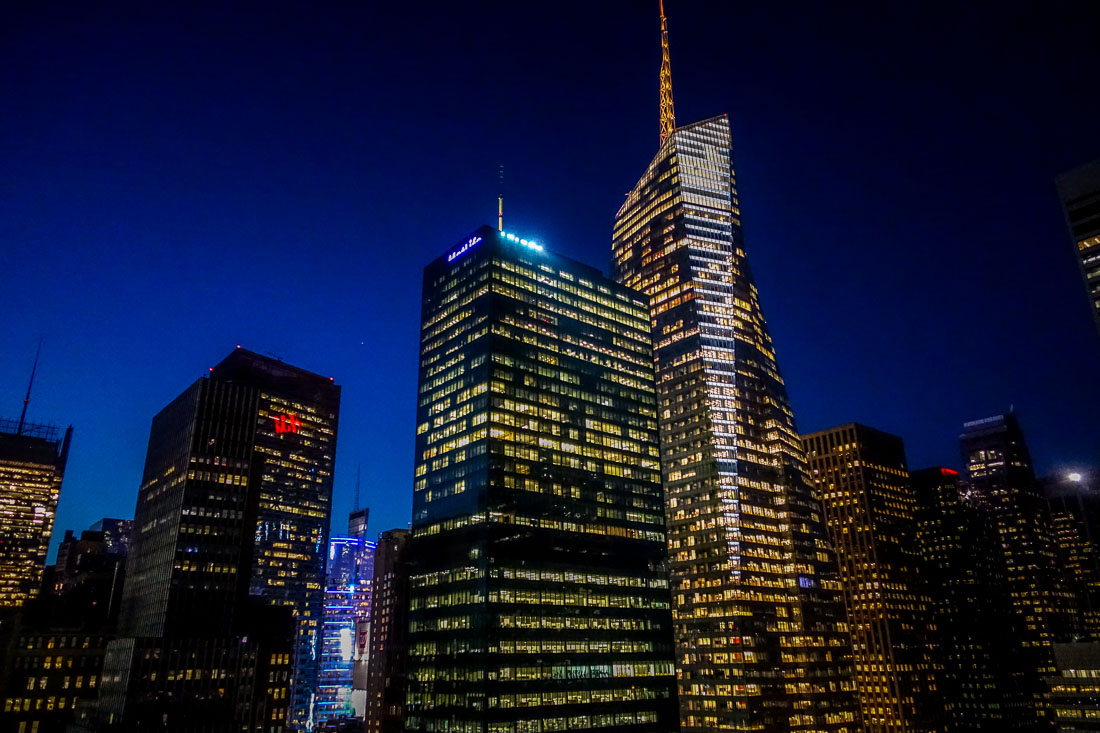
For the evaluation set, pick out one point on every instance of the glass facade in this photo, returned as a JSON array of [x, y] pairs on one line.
[[1080, 193], [233, 515], [762, 640], [32, 464], [538, 594], [347, 606], [863, 483]]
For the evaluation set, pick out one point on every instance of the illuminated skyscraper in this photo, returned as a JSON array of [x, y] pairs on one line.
[[1001, 484], [32, 464], [538, 595], [1079, 190], [232, 519], [762, 640], [863, 483], [1075, 514], [347, 605]]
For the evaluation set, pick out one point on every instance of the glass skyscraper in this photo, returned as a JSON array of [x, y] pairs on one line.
[[1079, 190], [538, 592], [762, 641], [232, 518]]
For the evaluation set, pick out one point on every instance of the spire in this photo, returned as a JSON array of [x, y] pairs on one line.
[[27, 399], [358, 474], [668, 114], [500, 201]]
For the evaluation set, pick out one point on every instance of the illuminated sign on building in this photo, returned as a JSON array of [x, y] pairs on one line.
[[525, 242], [471, 242], [286, 423]]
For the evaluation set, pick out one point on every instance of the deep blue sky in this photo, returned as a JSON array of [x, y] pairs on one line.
[[179, 178]]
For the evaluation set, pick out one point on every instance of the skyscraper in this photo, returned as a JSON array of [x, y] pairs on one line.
[[347, 605], [981, 678], [1001, 484], [32, 465], [762, 640], [1079, 190], [1075, 515], [388, 635], [538, 595], [232, 517], [863, 482]]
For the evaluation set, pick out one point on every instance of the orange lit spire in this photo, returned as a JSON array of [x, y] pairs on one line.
[[668, 114]]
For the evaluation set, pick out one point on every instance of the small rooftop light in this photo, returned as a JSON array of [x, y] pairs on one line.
[[1075, 477]]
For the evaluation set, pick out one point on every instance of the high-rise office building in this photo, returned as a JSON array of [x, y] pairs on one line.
[[863, 483], [229, 542], [538, 596], [981, 678], [385, 661], [32, 465], [762, 639], [347, 606], [1001, 484], [1075, 516], [1079, 190], [1075, 688]]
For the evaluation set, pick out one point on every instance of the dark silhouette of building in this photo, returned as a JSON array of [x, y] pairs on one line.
[[982, 678], [539, 595], [863, 484], [1001, 484], [1075, 515], [32, 465], [388, 635], [53, 649], [1075, 688], [222, 606], [1079, 190], [762, 640]]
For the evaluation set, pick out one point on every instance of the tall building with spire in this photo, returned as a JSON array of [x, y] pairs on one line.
[[761, 636]]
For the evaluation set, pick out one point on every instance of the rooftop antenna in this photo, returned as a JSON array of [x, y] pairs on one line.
[[668, 114], [358, 474], [27, 399], [500, 201]]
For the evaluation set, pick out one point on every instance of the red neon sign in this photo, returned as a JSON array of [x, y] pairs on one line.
[[286, 423], [948, 472]]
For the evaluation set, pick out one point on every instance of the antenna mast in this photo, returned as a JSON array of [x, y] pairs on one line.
[[27, 399], [668, 114], [500, 201]]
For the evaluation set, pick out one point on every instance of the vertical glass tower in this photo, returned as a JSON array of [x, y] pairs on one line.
[[32, 464], [863, 483], [538, 592], [762, 642], [347, 604]]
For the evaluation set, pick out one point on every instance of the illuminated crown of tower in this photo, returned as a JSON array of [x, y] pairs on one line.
[[668, 114]]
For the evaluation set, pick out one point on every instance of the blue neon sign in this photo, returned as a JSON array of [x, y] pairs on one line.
[[470, 243]]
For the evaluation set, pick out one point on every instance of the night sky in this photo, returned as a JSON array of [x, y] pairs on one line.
[[179, 178]]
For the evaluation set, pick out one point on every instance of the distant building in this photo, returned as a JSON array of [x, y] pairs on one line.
[[1075, 514], [1075, 688], [32, 465], [863, 484], [347, 605], [51, 656], [982, 679], [116, 534], [1079, 190], [539, 595], [222, 606], [387, 636], [1001, 484]]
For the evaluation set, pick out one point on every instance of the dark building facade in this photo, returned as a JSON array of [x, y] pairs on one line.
[[1075, 689], [1001, 485], [388, 635], [538, 593], [981, 677], [226, 577], [1079, 190], [32, 466], [1075, 517], [863, 483], [762, 638]]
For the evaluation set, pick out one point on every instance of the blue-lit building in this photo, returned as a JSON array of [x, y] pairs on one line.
[[347, 606]]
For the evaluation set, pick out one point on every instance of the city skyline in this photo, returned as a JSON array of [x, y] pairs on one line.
[[95, 323]]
